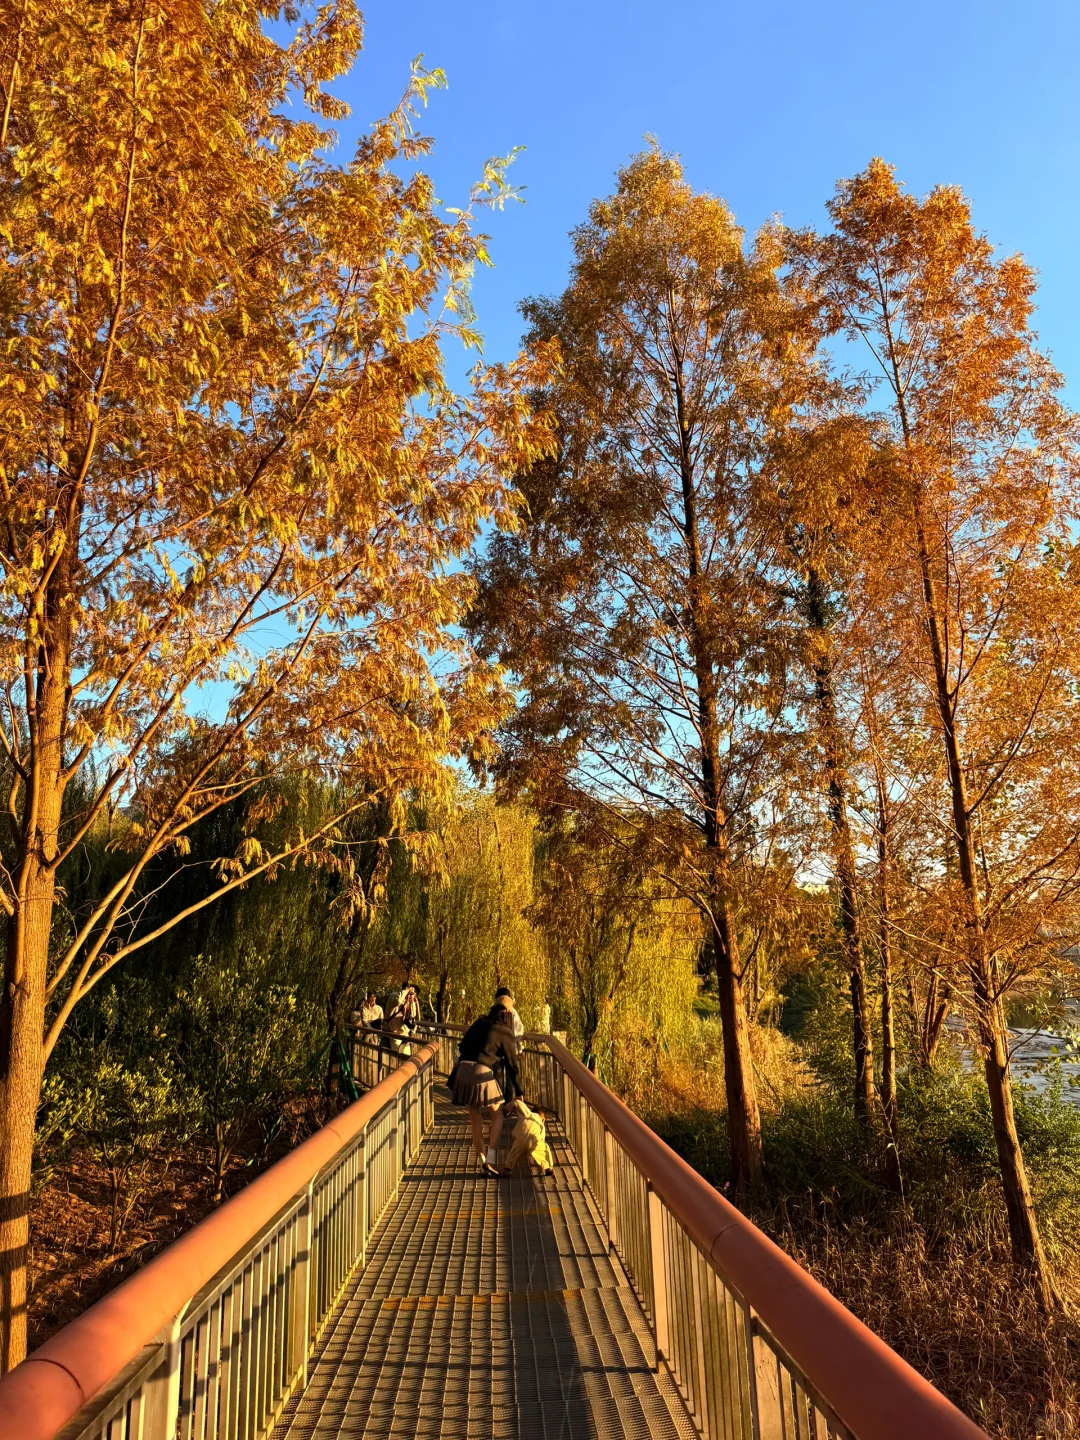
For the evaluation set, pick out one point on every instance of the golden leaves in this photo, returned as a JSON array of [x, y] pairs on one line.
[[230, 449]]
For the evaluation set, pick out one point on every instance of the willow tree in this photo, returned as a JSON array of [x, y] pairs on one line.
[[623, 951], [633, 612], [456, 909], [972, 563], [233, 480]]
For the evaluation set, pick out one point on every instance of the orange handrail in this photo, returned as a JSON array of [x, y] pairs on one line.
[[876, 1393], [41, 1395]]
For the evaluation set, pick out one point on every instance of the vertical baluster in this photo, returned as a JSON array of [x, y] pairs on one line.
[[187, 1386], [765, 1385], [609, 1176], [200, 1368], [706, 1343], [681, 1351], [230, 1369], [736, 1401], [213, 1375], [803, 1410], [361, 1200], [334, 1280], [279, 1336], [136, 1414], [162, 1402], [242, 1362], [656, 1266], [722, 1390], [395, 1145], [582, 1146], [259, 1349]]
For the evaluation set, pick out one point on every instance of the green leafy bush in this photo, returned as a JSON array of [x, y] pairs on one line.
[[242, 1046]]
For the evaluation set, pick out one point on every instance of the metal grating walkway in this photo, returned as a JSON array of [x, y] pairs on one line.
[[488, 1310]]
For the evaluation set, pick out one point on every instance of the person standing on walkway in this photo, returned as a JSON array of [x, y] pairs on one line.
[[505, 998], [510, 1017], [371, 1012], [408, 1002], [486, 1044], [366, 1045]]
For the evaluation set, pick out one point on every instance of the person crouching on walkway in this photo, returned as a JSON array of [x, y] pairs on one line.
[[487, 1041], [530, 1138]]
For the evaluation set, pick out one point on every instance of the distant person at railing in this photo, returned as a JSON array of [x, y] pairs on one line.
[[371, 1012], [403, 1018], [505, 998], [397, 1031], [408, 1005], [488, 1043]]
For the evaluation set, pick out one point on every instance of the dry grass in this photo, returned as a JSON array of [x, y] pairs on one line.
[[957, 1316], [928, 1270]]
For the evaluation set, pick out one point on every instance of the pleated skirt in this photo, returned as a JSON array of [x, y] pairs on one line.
[[475, 1086]]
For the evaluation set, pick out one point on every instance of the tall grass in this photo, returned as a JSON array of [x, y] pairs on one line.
[[924, 1262]]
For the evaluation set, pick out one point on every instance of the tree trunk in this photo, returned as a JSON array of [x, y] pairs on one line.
[[22, 1024], [934, 1023], [22, 1003], [1027, 1249], [888, 1031], [1023, 1228], [888, 1035], [843, 848], [442, 1009], [590, 1018], [114, 1215], [928, 1013], [744, 1118]]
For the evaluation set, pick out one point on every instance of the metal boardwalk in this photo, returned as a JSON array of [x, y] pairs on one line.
[[373, 1284], [488, 1310]]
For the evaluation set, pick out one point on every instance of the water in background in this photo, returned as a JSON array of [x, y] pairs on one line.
[[1040, 1058]]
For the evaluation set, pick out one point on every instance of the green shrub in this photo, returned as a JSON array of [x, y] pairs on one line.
[[817, 1154], [243, 1046]]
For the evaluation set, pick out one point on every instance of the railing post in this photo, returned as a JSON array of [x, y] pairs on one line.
[[659, 1276], [162, 1408], [609, 1176], [583, 1137], [362, 1200], [300, 1326], [700, 1389], [395, 1147], [763, 1373]]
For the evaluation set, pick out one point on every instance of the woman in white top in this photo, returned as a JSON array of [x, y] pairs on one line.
[[504, 998], [371, 1012]]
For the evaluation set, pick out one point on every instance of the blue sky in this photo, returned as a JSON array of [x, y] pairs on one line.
[[767, 104]]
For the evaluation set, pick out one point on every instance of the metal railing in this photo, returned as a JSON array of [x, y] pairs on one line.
[[232, 1350], [537, 1067], [758, 1349], [213, 1336], [374, 1054]]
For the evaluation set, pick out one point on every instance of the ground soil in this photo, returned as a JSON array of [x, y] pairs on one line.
[[71, 1264]]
